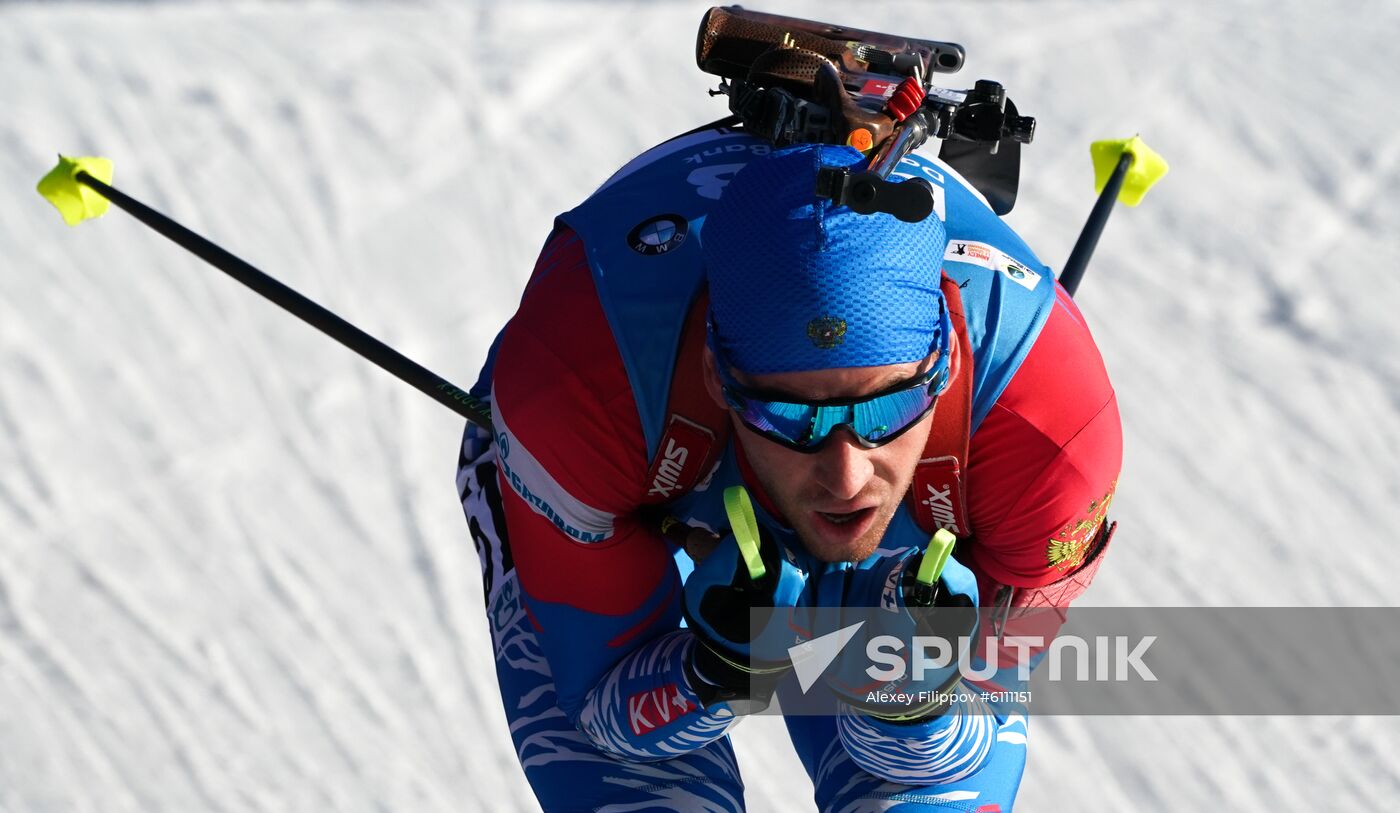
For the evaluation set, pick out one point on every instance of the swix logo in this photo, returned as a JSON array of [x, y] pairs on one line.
[[682, 452], [654, 708], [940, 504], [668, 472]]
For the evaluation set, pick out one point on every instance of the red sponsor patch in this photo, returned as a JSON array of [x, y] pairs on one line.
[[878, 87], [937, 490], [656, 708], [680, 456]]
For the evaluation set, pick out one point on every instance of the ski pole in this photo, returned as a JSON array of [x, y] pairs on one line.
[[1124, 170], [80, 188], [74, 187]]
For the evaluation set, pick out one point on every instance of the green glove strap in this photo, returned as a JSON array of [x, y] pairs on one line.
[[745, 528], [936, 556]]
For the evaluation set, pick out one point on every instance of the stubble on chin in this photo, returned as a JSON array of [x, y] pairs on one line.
[[858, 550]]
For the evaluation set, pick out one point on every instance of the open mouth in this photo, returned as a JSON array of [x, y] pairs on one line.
[[846, 518]]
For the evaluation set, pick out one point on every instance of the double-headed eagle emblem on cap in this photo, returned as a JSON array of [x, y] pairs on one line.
[[826, 331]]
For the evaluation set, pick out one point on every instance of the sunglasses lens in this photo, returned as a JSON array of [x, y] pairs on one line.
[[803, 426], [875, 420], [881, 417], [789, 422]]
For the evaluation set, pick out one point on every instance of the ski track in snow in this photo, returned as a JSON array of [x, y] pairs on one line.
[[233, 575]]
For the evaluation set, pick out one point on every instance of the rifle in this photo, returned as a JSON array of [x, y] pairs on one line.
[[793, 81]]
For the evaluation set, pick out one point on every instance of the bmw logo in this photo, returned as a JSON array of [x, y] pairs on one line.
[[658, 235]]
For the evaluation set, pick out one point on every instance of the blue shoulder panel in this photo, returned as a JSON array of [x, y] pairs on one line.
[[641, 232], [1007, 291]]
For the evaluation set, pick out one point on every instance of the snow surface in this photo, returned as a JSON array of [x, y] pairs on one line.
[[233, 573]]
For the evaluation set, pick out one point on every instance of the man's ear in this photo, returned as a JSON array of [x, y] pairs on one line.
[[712, 382]]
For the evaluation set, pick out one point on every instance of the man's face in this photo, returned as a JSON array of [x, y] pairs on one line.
[[841, 498]]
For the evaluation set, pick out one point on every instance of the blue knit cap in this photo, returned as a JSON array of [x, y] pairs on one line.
[[799, 284]]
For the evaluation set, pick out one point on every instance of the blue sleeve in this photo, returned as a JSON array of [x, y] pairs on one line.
[[948, 748], [643, 709], [621, 679], [583, 645]]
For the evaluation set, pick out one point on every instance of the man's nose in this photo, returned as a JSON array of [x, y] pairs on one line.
[[843, 465]]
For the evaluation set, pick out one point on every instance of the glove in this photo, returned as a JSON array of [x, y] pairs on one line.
[[899, 596], [740, 603]]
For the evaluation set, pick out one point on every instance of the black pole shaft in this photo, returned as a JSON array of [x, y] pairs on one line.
[[1088, 240], [404, 368]]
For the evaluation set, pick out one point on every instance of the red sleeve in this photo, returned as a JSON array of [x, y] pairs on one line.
[[571, 464], [1045, 460], [574, 445]]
